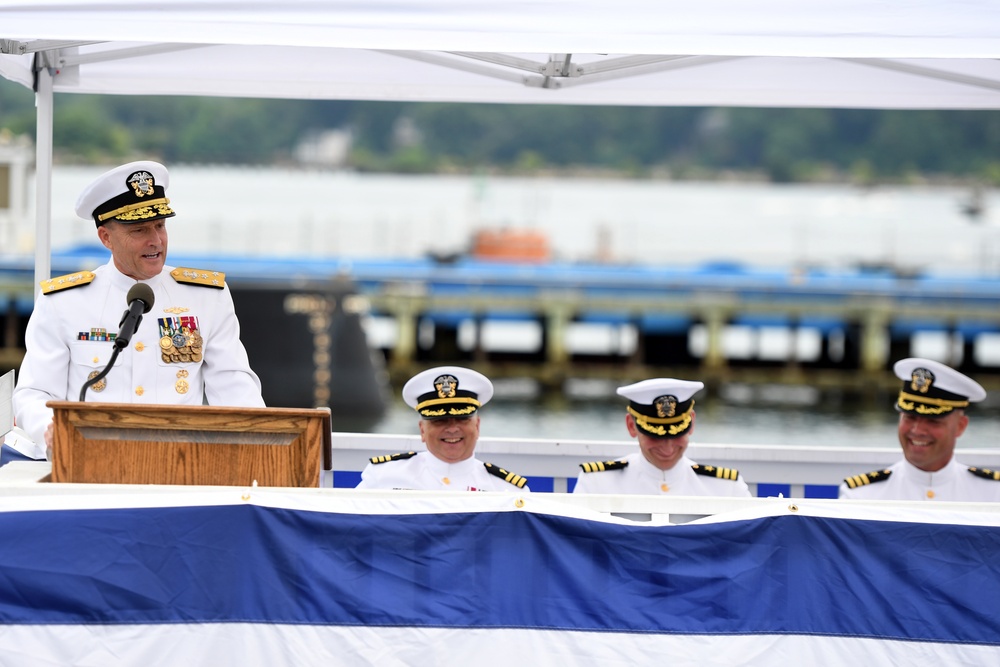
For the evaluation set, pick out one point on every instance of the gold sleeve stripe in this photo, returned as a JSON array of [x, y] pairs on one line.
[[516, 480], [602, 466], [864, 479], [986, 473], [385, 458], [508, 477], [855, 481]]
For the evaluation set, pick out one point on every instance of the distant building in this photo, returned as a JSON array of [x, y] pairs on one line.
[[17, 160], [328, 148]]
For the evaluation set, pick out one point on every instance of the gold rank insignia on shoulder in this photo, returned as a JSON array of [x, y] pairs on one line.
[[69, 281], [986, 473], [601, 466], [855, 481], [731, 474], [510, 477], [186, 276], [392, 457]]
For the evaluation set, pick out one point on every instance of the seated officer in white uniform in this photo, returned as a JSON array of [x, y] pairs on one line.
[[931, 406], [447, 399], [661, 416], [187, 348]]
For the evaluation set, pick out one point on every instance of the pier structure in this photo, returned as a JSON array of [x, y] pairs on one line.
[[853, 338], [551, 321]]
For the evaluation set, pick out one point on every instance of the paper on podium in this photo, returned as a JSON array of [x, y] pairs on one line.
[[6, 407]]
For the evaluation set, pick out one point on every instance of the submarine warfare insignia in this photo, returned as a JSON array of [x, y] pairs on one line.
[[180, 340]]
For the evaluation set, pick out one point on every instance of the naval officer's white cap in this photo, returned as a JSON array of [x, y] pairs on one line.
[[933, 389], [133, 192], [662, 407], [447, 391]]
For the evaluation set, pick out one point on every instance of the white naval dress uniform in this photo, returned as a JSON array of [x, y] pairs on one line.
[[954, 482], [58, 363], [426, 472], [642, 477]]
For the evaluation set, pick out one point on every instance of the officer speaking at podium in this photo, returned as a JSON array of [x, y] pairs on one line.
[[183, 348]]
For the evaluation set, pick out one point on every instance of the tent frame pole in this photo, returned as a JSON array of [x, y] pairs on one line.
[[44, 113]]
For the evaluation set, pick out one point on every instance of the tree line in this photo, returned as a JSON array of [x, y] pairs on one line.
[[781, 145]]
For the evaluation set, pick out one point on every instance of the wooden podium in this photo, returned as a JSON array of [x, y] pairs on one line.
[[127, 443]]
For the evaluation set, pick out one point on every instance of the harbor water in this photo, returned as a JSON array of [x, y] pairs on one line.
[[244, 211]]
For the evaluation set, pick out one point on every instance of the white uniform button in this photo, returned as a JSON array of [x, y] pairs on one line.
[[139, 391], [139, 347]]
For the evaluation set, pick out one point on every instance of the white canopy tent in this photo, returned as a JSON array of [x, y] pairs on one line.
[[778, 53]]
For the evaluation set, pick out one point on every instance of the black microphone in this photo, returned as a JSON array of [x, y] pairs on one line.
[[140, 300]]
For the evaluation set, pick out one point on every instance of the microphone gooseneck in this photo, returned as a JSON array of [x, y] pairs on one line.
[[140, 301]]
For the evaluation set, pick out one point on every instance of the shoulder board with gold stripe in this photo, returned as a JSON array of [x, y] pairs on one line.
[[731, 474], [392, 457], [516, 480], [986, 473], [69, 281], [601, 466], [855, 481], [201, 277]]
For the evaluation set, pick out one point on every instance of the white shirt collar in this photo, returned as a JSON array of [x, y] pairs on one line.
[[442, 468]]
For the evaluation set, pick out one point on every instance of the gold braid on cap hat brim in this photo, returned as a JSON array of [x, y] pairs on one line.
[[677, 425], [162, 205], [943, 405], [473, 404]]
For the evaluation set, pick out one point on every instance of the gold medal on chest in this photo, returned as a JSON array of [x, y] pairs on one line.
[[97, 386]]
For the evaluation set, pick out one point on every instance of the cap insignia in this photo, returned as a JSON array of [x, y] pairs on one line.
[[446, 386], [921, 380], [666, 406], [141, 183]]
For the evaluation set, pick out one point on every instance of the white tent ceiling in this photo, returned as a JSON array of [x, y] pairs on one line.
[[823, 53], [939, 54]]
